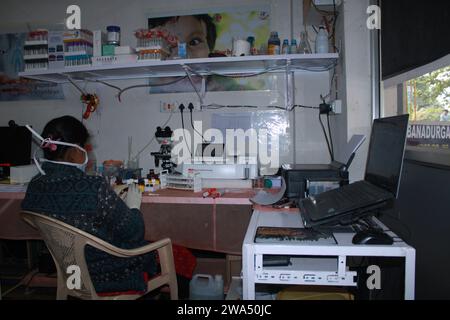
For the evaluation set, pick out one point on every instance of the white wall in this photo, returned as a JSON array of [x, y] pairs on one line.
[[390, 101], [138, 115], [354, 82]]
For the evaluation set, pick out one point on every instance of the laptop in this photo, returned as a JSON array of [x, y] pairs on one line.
[[349, 203]]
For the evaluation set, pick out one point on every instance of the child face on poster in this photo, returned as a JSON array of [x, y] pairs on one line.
[[197, 31]]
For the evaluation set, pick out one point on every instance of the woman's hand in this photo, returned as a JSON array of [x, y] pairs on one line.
[[134, 197], [121, 191]]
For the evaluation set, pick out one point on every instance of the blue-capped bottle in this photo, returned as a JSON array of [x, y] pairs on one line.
[[293, 48], [285, 47]]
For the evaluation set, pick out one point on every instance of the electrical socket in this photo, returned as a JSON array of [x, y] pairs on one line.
[[196, 105], [336, 106], [172, 106], [165, 106]]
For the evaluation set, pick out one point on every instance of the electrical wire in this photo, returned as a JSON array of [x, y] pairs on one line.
[[319, 69], [336, 14], [76, 86], [184, 136], [216, 106], [331, 137], [331, 82], [106, 84], [325, 14], [326, 136], [246, 75], [322, 12], [192, 124], [119, 96], [303, 107], [154, 137]]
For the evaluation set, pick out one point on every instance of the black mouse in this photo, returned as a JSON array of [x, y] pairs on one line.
[[372, 237]]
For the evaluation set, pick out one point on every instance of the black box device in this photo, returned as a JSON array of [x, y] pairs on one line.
[[303, 180]]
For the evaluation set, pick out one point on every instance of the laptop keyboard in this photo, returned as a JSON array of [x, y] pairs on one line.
[[358, 194], [354, 194]]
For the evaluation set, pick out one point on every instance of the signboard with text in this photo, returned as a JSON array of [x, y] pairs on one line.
[[429, 134]]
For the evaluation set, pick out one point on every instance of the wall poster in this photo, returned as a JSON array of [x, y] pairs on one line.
[[210, 34], [13, 87]]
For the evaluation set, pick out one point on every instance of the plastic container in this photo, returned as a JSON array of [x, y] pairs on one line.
[[285, 48], [273, 45], [113, 35], [130, 173], [112, 168], [205, 287], [303, 46], [322, 41], [251, 40], [293, 48]]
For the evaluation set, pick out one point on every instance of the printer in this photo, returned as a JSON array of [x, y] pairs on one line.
[[304, 180]]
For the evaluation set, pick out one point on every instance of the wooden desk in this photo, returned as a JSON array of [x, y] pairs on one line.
[[187, 218], [195, 222]]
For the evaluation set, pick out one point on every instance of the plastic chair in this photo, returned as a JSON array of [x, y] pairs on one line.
[[67, 243]]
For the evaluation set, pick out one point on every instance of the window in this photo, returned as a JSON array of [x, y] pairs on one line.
[[424, 94]]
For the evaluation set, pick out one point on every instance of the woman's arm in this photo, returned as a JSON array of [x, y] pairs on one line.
[[125, 226]]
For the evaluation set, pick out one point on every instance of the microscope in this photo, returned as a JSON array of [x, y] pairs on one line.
[[164, 138]]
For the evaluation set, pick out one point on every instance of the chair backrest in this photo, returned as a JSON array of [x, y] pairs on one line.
[[66, 245]]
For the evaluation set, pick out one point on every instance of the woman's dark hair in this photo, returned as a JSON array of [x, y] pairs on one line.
[[64, 129], [211, 32]]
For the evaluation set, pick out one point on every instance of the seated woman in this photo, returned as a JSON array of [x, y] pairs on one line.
[[63, 191]]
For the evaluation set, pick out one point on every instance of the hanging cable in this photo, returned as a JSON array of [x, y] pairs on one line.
[[215, 106], [106, 84], [182, 125], [119, 96], [191, 109], [331, 137], [76, 86], [246, 75], [322, 12], [136, 157], [335, 14], [326, 137], [303, 107]]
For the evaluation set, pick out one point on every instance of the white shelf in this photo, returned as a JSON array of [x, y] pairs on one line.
[[35, 43], [175, 68], [35, 56]]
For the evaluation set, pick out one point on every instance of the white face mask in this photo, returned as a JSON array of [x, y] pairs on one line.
[[81, 166]]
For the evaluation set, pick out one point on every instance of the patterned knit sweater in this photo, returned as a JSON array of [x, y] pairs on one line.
[[89, 203]]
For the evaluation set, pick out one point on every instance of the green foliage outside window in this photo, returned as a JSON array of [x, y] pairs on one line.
[[429, 95]]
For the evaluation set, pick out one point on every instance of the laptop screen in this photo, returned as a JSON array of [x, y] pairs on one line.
[[386, 151]]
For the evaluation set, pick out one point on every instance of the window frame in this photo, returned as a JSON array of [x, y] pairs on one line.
[[426, 155]]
